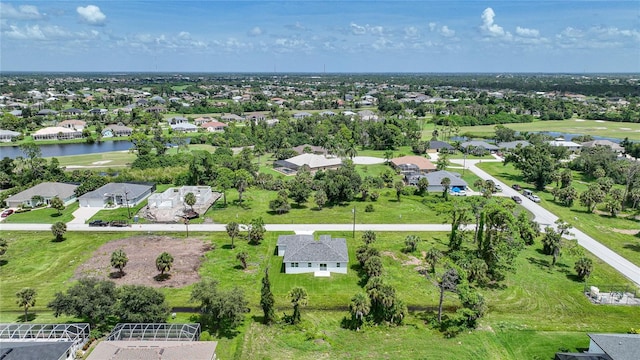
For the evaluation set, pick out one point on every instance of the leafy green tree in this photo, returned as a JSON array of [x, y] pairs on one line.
[[432, 257], [411, 243], [552, 240], [592, 197], [256, 231], [529, 229], [58, 230], [567, 195], [385, 305], [363, 253], [233, 230], [477, 271], [119, 260], [190, 199], [224, 179], [299, 297], [267, 301], [499, 243], [222, 311], [280, 205], [369, 237], [566, 177], [56, 203], [320, 198], [90, 299], [141, 304], [242, 257], [164, 262], [583, 267], [300, 187], [388, 155], [612, 205], [423, 186], [26, 298], [535, 162], [359, 308], [443, 161], [399, 186]]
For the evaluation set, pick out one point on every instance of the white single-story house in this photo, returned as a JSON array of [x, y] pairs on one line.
[[7, 135], [313, 161], [120, 194], [438, 146], [214, 126], [177, 120], [203, 119], [435, 180], [511, 145], [174, 197], [184, 127], [231, 117], [47, 190], [301, 115], [569, 145], [304, 254], [73, 124], [56, 133], [475, 144], [608, 143], [116, 130]]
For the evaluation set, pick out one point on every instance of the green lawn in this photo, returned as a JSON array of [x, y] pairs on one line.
[[605, 229], [106, 159], [119, 213], [541, 309], [45, 215], [573, 126]]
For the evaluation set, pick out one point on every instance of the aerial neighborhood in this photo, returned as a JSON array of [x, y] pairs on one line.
[[204, 216]]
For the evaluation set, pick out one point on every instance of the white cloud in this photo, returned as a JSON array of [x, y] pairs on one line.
[[525, 32], [296, 27], [411, 32], [184, 35], [489, 27], [357, 29], [23, 12], [91, 15], [46, 33], [432, 26], [446, 32], [366, 29], [256, 31]]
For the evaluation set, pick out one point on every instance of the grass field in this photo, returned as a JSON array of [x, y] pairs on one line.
[[45, 215], [605, 229], [618, 130], [540, 311]]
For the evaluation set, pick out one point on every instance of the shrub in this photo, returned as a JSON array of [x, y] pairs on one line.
[[369, 208]]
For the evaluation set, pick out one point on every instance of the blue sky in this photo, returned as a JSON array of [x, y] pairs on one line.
[[313, 36]]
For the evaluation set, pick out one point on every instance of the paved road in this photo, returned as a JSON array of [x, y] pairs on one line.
[[542, 216], [545, 217]]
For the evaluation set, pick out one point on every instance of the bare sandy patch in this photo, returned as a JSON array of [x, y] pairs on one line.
[[142, 252], [600, 121], [101, 162], [389, 254], [580, 120], [625, 129], [626, 231]]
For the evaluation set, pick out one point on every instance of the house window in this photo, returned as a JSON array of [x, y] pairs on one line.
[[308, 264], [337, 264], [294, 265]]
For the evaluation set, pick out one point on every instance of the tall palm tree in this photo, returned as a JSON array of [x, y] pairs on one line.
[[360, 307], [26, 298], [298, 297]]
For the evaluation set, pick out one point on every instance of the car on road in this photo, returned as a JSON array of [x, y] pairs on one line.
[[458, 193], [98, 223], [516, 187], [498, 188], [119, 223], [6, 213], [531, 196], [517, 199]]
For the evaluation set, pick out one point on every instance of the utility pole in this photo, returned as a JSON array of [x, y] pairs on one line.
[[354, 222], [126, 199]]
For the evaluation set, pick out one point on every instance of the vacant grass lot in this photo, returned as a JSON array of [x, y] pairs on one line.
[[45, 215], [572, 126], [104, 160], [600, 226], [539, 311]]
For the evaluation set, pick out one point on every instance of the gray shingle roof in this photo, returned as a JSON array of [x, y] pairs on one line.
[[303, 248], [618, 346], [47, 190], [435, 178], [481, 144], [133, 190], [33, 350]]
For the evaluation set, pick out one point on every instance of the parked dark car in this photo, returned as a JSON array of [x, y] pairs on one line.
[[119, 223], [98, 223], [516, 187], [517, 199], [6, 213]]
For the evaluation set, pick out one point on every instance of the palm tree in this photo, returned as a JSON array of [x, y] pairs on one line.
[[233, 229], [26, 298], [446, 182], [432, 257], [242, 257], [164, 262], [119, 260], [388, 154], [190, 199], [360, 307], [584, 267], [298, 297]]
